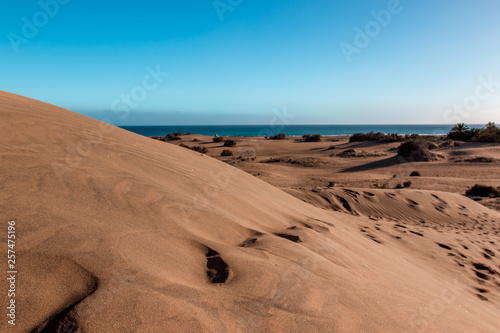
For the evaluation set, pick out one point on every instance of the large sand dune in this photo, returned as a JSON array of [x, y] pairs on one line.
[[121, 233]]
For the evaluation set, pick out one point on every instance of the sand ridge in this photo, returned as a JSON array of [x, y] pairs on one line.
[[136, 235]]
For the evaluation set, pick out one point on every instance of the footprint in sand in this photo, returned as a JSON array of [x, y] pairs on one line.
[[292, 238], [441, 201], [368, 195], [481, 275], [482, 267], [373, 238], [444, 246], [412, 204], [218, 270], [489, 252], [346, 205], [317, 228], [248, 242]]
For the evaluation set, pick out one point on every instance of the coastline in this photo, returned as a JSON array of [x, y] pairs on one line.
[[291, 130]]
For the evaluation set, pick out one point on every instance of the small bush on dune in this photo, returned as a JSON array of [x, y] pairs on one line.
[[226, 152], [218, 139], [490, 134], [484, 191], [311, 138], [379, 137], [161, 138], [229, 143], [415, 174], [199, 149], [280, 136], [416, 150], [173, 136]]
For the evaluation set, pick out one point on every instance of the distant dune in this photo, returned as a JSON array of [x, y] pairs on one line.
[[121, 233]]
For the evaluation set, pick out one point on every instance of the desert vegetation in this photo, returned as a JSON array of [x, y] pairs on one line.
[[417, 150], [484, 191], [462, 132], [229, 143], [379, 137], [199, 149], [170, 137], [279, 136], [311, 137]]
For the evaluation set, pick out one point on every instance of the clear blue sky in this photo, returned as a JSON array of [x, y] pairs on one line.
[[261, 56]]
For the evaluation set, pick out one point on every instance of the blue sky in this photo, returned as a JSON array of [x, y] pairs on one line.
[[237, 62]]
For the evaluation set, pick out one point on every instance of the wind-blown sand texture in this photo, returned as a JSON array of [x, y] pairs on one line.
[[122, 233]]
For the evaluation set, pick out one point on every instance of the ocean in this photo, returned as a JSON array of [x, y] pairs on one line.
[[290, 130]]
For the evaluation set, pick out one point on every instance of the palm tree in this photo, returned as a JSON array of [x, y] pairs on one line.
[[459, 131], [460, 128]]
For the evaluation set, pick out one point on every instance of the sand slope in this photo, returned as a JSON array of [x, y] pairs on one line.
[[116, 233]]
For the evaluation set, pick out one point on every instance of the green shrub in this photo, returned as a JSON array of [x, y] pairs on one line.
[[172, 137], [161, 138], [416, 150], [199, 149], [218, 139], [229, 143], [415, 174], [490, 134], [226, 152], [484, 191], [379, 137], [311, 138], [280, 136]]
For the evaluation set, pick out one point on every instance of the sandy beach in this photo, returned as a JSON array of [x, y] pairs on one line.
[[116, 232]]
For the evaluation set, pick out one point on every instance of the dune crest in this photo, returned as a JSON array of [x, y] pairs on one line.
[[138, 235]]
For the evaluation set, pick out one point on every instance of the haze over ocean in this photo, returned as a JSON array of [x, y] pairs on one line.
[[290, 130]]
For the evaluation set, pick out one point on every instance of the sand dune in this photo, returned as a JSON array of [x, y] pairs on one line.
[[121, 233]]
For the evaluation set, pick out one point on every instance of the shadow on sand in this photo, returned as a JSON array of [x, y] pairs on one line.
[[377, 164]]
